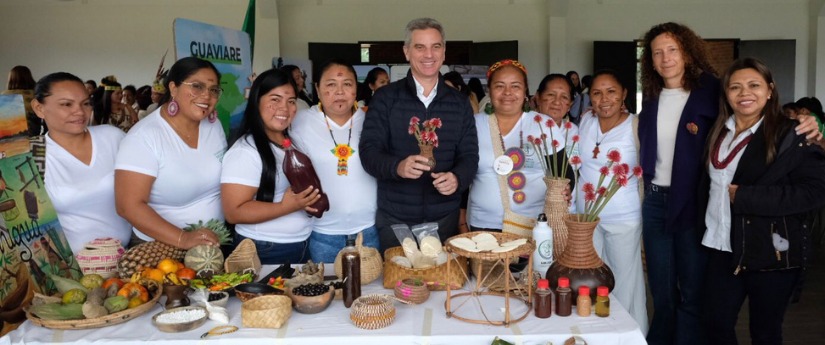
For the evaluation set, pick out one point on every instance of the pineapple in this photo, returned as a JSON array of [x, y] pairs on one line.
[[146, 255], [205, 257]]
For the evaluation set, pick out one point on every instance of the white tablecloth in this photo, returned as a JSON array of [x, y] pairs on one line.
[[414, 324]]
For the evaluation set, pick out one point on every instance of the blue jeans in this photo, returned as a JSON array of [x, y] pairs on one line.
[[676, 263], [272, 253], [324, 248]]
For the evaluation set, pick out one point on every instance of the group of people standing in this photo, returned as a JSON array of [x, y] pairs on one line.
[[176, 167]]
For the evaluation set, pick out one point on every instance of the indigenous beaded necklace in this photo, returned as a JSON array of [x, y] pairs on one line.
[[341, 151], [714, 154]]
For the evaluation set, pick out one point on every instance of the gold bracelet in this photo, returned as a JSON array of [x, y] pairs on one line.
[[179, 237]]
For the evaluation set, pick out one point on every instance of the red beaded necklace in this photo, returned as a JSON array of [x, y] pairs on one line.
[[714, 154]]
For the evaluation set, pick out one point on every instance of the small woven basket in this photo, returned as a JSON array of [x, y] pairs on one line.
[[270, 311], [243, 258], [100, 256], [371, 263], [412, 290], [372, 311], [435, 277]]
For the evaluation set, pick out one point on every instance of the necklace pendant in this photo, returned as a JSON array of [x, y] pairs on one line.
[[596, 151], [343, 153]]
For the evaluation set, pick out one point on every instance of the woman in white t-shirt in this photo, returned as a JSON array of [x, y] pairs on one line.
[[510, 128], [256, 194], [618, 235], [329, 134], [80, 162], [168, 168]]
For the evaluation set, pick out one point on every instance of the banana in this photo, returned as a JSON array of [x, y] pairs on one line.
[[172, 278], [135, 278]]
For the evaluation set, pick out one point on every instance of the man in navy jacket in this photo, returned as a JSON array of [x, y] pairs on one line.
[[409, 190]]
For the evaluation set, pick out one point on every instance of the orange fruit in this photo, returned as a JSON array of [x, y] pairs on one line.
[[186, 273], [168, 265], [153, 274], [180, 265], [134, 302]]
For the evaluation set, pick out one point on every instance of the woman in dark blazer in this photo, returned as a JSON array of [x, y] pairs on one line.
[[763, 180]]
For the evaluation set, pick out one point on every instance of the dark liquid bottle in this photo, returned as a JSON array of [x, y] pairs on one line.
[[564, 298], [543, 300], [300, 174], [351, 267]]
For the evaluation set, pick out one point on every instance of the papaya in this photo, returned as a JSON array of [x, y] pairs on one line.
[[57, 311], [65, 284], [115, 304]]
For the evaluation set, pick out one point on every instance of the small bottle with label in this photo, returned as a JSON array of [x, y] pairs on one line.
[[564, 298], [543, 300], [602, 301], [583, 302]]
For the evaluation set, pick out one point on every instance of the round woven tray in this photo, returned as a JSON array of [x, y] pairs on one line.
[[108, 320], [502, 237]]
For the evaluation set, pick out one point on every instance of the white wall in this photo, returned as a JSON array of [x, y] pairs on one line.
[[95, 38]]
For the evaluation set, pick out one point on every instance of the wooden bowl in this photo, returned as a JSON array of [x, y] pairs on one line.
[[311, 304], [249, 291], [180, 326]]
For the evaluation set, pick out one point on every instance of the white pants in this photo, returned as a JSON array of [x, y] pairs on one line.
[[619, 245]]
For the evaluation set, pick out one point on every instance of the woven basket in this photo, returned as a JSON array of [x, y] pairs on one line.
[[270, 311], [371, 263], [407, 290], [493, 268], [108, 320], [556, 208], [435, 277], [244, 257], [372, 311], [100, 256]]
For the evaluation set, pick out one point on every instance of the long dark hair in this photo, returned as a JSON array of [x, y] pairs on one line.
[[577, 89], [772, 112], [253, 125], [457, 80], [103, 103], [475, 86], [364, 90], [183, 69], [289, 69], [693, 52], [20, 78]]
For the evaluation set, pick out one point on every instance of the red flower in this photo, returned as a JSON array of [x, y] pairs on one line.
[[555, 143], [426, 123], [589, 196], [602, 191], [621, 180], [637, 171], [537, 118], [414, 121], [435, 141], [614, 156], [530, 138], [426, 136], [604, 171], [435, 122], [576, 138], [588, 188], [618, 170], [411, 130], [625, 169], [568, 125], [537, 141], [550, 123], [543, 136], [575, 160]]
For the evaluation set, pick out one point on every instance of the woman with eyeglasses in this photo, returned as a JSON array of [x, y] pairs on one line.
[[168, 168]]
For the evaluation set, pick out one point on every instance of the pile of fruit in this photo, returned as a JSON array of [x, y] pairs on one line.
[[93, 297]]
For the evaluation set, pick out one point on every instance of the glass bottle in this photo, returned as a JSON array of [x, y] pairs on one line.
[[564, 298], [583, 302], [602, 301], [301, 174], [351, 267], [543, 299]]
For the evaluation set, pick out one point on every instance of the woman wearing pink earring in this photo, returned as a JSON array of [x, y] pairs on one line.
[[168, 169]]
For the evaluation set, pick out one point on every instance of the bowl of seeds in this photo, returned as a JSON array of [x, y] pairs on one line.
[[311, 298], [180, 319]]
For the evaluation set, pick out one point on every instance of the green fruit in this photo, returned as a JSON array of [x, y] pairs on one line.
[[116, 303], [91, 281], [74, 296]]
